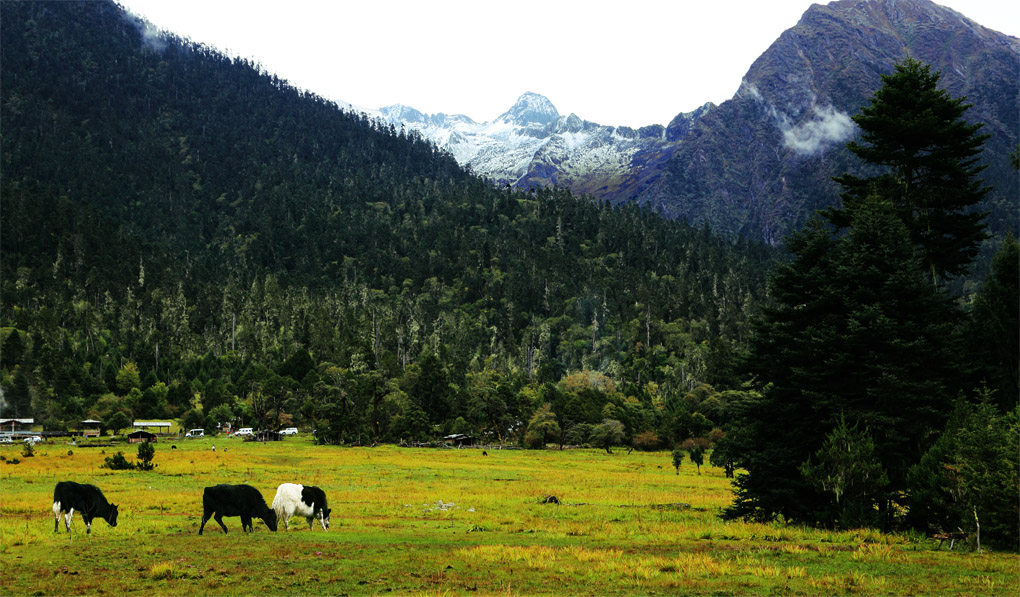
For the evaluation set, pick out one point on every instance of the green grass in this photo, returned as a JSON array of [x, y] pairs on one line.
[[626, 524]]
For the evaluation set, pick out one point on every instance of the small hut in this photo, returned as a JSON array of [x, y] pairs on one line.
[[459, 439], [90, 428], [141, 435], [13, 425], [268, 435]]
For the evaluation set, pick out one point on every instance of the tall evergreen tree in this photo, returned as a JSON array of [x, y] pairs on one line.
[[927, 156], [857, 331], [994, 333]]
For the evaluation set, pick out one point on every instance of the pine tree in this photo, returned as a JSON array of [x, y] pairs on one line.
[[857, 331], [927, 153], [847, 468], [995, 327]]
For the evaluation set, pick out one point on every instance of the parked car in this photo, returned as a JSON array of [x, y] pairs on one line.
[[195, 433], [289, 431], [6, 439], [245, 431], [33, 439]]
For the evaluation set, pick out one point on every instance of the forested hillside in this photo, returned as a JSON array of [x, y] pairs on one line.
[[185, 235]]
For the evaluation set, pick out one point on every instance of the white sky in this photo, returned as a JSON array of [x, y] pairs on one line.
[[629, 63]]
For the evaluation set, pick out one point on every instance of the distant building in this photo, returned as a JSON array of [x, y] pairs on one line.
[[459, 439], [267, 435], [139, 436], [90, 428], [159, 427], [13, 425]]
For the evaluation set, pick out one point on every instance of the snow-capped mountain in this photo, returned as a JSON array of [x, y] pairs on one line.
[[533, 144]]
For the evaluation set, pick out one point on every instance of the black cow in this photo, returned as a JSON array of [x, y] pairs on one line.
[[236, 500], [69, 496]]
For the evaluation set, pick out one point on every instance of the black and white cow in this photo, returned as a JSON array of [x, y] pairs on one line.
[[236, 500], [298, 500], [69, 496]]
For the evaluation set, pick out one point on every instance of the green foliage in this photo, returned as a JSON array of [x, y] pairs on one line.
[[193, 419], [607, 434], [916, 133], [973, 465], [117, 422], [697, 453], [27, 450], [678, 458], [542, 428], [847, 467], [128, 378], [117, 462], [146, 452], [855, 322], [218, 416], [994, 321]]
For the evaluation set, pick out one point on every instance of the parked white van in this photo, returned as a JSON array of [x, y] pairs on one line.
[[289, 431], [195, 433], [245, 431]]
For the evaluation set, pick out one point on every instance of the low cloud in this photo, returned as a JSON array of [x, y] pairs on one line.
[[829, 126], [825, 127], [152, 37]]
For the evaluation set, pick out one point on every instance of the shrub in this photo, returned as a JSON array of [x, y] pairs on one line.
[[646, 441], [533, 440], [117, 462], [678, 459], [146, 452]]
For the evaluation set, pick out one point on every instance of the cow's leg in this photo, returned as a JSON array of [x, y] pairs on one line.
[[88, 523], [246, 524], [56, 516], [311, 522], [205, 517], [67, 519], [219, 519]]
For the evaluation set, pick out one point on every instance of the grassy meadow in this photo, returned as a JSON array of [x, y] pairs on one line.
[[443, 522]]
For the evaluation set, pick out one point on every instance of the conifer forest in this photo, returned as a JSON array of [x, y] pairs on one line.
[[186, 236]]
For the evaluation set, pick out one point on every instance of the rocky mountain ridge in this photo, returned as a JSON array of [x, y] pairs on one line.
[[533, 144], [760, 163]]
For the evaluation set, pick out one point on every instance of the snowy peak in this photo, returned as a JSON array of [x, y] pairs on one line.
[[531, 144], [402, 113], [531, 109]]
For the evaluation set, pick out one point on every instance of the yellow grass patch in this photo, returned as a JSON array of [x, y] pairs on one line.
[[443, 522]]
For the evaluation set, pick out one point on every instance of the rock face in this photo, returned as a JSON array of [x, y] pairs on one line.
[[760, 163], [531, 144]]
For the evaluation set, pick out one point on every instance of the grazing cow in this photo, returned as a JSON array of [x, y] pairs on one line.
[[69, 496], [297, 500], [236, 500]]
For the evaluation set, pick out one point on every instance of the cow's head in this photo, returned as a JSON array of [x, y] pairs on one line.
[[325, 518], [270, 520], [112, 516]]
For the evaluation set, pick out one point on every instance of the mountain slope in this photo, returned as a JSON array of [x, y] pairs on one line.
[[186, 213], [760, 163]]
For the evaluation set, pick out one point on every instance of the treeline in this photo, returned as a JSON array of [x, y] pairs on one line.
[[187, 236]]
